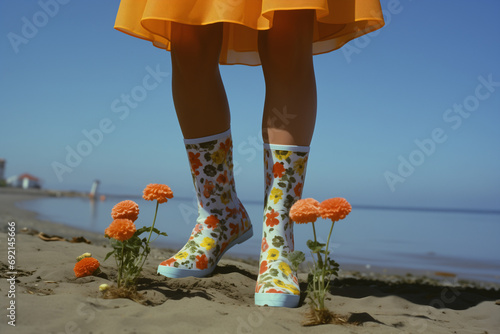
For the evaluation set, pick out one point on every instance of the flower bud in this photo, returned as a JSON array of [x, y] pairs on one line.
[[84, 255]]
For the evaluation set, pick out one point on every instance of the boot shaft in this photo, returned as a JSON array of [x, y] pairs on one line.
[[285, 170], [211, 161]]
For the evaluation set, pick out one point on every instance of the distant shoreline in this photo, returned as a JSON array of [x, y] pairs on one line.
[[24, 218], [42, 192]]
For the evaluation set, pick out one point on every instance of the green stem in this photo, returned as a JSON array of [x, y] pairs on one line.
[[314, 231], [320, 261], [323, 287], [141, 261], [328, 240], [120, 266], [154, 221], [318, 282]]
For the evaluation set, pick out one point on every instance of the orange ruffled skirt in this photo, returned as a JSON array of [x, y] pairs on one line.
[[337, 22]]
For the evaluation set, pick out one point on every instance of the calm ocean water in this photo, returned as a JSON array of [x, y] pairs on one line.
[[467, 244]]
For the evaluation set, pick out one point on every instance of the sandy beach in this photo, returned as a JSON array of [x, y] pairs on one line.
[[49, 299]]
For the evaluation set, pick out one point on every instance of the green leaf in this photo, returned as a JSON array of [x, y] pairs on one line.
[[141, 230], [157, 231], [278, 241], [289, 201], [296, 258], [216, 211], [273, 272], [333, 263], [108, 255], [315, 246]]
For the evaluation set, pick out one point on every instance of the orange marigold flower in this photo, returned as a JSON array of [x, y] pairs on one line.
[[274, 291], [298, 189], [195, 162], [158, 192], [86, 267], [271, 218], [264, 246], [235, 228], [223, 179], [168, 263], [201, 262], [335, 208], [125, 210], [120, 229], [278, 170], [212, 222], [197, 229], [263, 267], [232, 212], [208, 189], [226, 146], [305, 211]]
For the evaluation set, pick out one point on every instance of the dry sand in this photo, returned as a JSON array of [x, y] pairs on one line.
[[49, 299]]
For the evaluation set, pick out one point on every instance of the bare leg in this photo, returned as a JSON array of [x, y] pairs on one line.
[[202, 110], [198, 92], [289, 116], [286, 55]]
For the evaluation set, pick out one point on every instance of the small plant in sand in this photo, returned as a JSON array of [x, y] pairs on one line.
[[324, 268], [86, 265], [129, 250]]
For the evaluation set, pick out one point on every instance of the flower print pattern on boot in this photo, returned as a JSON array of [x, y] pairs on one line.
[[222, 220], [285, 167]]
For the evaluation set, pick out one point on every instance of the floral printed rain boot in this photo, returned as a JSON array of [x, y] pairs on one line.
[[285, 168], [222, 220]]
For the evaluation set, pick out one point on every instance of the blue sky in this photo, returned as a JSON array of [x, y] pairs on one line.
[[407, 116]]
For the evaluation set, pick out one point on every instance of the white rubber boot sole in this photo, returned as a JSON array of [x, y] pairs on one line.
[[174, 272], [277, 299]]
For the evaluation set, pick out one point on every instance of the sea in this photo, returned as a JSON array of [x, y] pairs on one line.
[[464, 243]]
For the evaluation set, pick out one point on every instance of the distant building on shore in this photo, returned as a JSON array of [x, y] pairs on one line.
[[24, 181], [2, 170]]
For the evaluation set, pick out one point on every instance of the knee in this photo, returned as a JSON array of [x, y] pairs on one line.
[[287, 46], [195, 48]]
